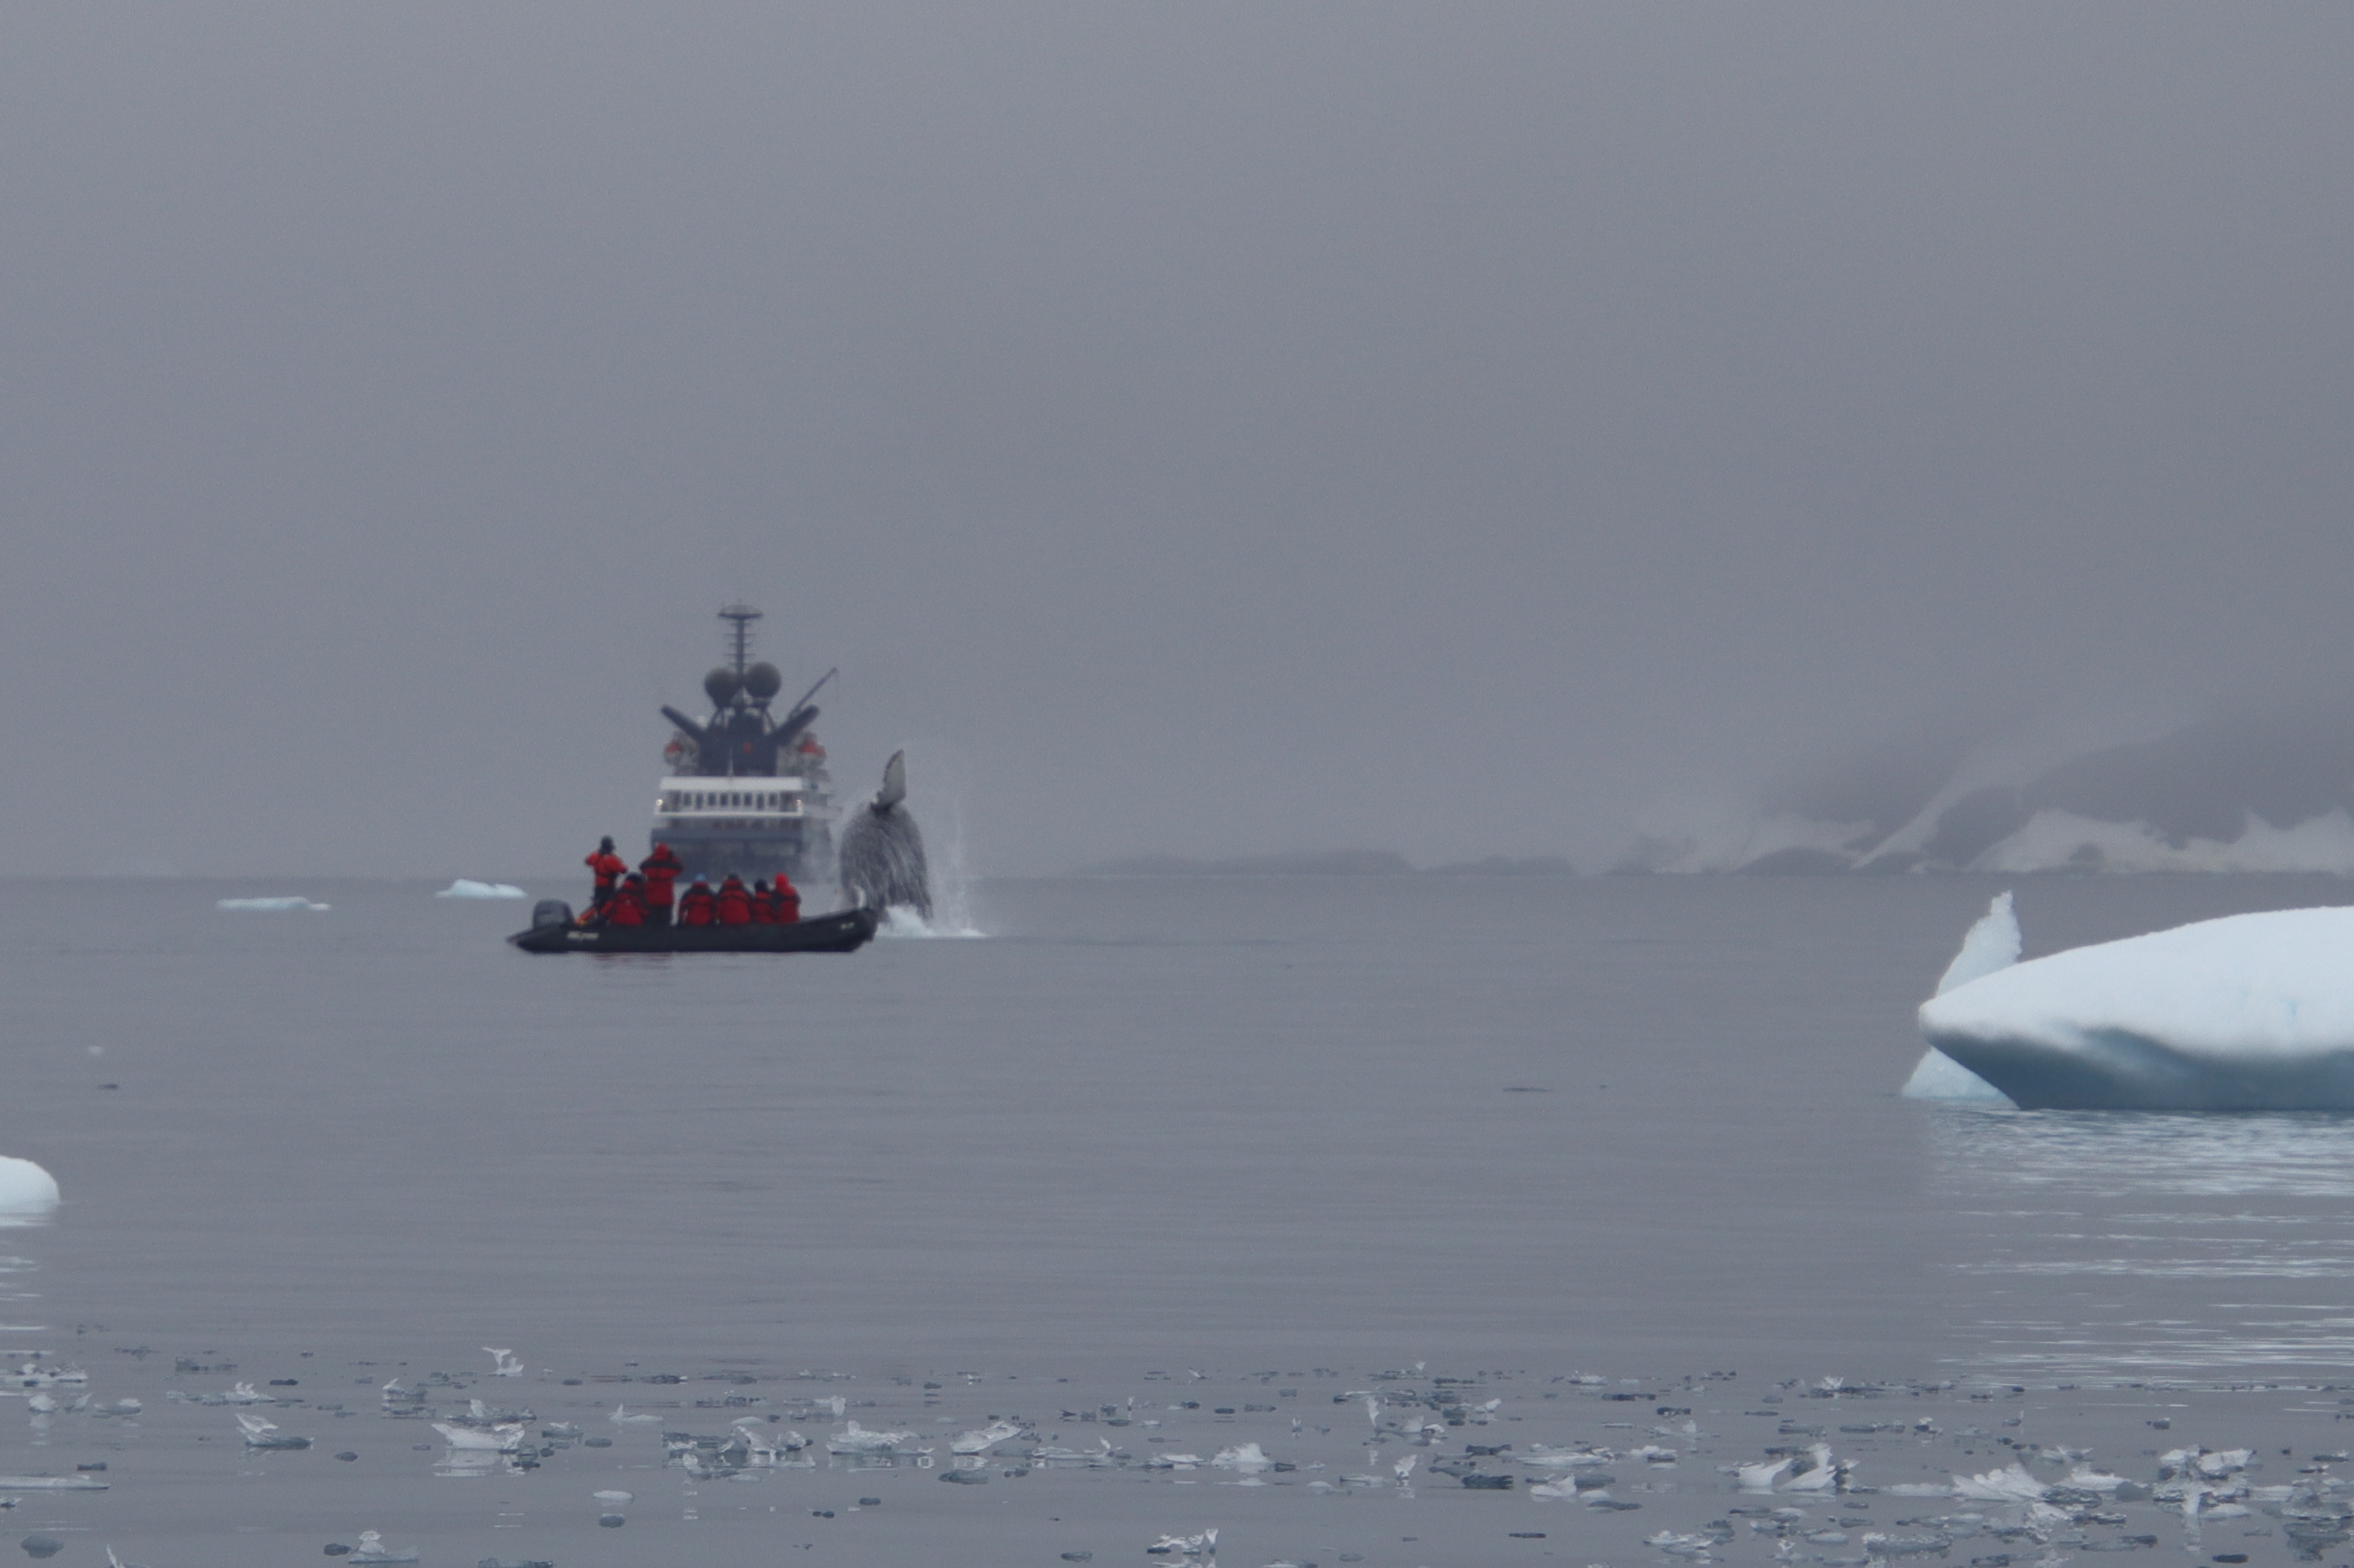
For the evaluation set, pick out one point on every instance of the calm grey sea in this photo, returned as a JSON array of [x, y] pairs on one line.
[[1641, 1127]]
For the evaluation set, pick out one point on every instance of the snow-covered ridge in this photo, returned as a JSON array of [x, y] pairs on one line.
[[2241, 795]]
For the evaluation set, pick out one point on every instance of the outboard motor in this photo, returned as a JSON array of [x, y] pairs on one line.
[[550, 912], [882, 854]]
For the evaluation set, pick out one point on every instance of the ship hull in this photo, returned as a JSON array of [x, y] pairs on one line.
[[803, 855], [842, 932]]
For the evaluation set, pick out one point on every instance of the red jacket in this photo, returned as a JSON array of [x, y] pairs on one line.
[[626, 907], [696, 907], [608, 868], [784, 903], [735, 904], [764, 909], [662, 869]]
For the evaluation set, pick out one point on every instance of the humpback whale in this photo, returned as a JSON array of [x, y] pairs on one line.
[[882, 854]]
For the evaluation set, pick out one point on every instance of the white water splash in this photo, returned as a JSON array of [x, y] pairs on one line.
[[951, 879]]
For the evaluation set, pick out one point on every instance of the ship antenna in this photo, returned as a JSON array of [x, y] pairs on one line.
[[740, 634]]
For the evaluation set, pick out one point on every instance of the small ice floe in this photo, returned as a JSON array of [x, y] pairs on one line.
[[1249, 1459], [51, 1484], [1202, 1545], [2084, 1478], [987, 1437], [1819, 1472], [612, 1498], [621, 1417], [1567, 1458], [1761, 1477], [1103, 1454], [1690, 1548], [481, 1413], [43, 1404], [372, 1549], [507, 1439], [2010, 1484], [271, 906], [1879, 1545], [28, 1193], [2211, 1463], [261, 1434], [1404, 1469], [466, 887], [241, 1393], [857, 1440], [505, 1363], [1172, 1461], [839, 1405], [1560, 1490], [1652, 1454]]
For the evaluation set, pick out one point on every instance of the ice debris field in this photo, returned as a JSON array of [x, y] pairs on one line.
[[2247, 1012], [131, 1456]]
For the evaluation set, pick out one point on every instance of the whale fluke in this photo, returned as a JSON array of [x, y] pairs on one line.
[[882, 852]]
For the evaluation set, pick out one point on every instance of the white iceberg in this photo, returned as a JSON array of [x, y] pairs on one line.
[[465, 887], [270, 905], [857, 1439], [27, 1191], [985, 1438], [2247, 1012], [1991, 944], [2010, 1484]]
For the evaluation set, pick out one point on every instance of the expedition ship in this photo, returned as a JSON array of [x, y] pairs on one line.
[[744, 790]]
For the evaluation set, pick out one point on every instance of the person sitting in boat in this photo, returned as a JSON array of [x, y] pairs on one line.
[[627, 904], [696, 906], [607, 867], [784, 901], [661, 870], [763, 912], [734, 902]]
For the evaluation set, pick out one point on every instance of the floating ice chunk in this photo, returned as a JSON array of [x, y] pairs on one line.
[[261, 1434], [1937, 1077], [613, 1499], [857, 1439], [621, 1417], [27, 1191], [1991, 944], [270, 905], [1202, 1545], [465, 887], [372, 1549], [507, 1365], [1760, 1477], [51, 1484], [2010, 1484], [2084, 1478], [986, 1438], [1566, 1489], [1250, 1458], [1822, 1474], [243, 1394], [2248, 1012], [496, 1439]]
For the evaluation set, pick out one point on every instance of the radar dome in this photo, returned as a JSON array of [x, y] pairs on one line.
[[762, 682], [719, 686]]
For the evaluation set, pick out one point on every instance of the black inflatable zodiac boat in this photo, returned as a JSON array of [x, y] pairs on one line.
[[552, 931]]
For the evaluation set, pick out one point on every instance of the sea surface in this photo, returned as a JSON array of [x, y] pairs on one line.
[[1136, 1129]]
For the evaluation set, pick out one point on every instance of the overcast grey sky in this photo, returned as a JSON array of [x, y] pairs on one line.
[[1200, 427]]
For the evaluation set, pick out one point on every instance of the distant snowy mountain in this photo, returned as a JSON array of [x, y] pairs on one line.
[[2239, 794]]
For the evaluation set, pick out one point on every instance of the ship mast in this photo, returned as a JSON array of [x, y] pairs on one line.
[[740, 634]]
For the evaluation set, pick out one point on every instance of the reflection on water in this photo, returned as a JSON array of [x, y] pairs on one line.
[[2126, 1245], [17, 1296]]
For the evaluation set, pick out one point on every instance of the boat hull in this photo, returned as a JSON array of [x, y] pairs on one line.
[[844, 931]]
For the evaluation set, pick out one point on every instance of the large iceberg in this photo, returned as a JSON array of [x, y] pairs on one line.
[[1992, 944], [26, 1189], [2248, 1012]]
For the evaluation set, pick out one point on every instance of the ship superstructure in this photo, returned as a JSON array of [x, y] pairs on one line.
[[746, 790]]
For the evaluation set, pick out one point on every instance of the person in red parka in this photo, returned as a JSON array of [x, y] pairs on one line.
[[696, 905], [607, 868], [661, 869], [763, 912], [784, 901], [627, 904], [734, 903]]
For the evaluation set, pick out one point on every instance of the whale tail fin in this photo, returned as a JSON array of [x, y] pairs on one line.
[[895, 782]]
